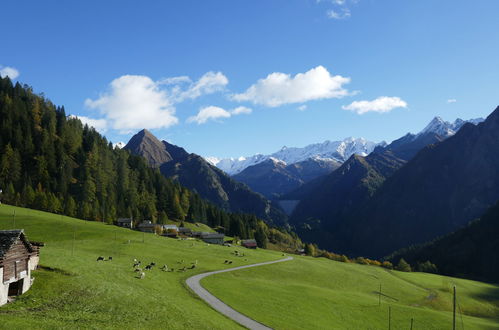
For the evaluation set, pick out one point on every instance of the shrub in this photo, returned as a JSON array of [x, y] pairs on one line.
[[403, 266]]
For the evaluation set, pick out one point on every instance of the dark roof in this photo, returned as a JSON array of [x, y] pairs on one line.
[[212, 235], [9, 237], [124, 220], [250, 242]]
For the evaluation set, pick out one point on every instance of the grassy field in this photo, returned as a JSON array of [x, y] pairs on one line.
[[312, 293], [72, 290]]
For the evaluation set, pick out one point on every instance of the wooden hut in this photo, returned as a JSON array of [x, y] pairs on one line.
[[249, 243], [18, 257]]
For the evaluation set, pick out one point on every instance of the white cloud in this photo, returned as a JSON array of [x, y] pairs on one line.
[[209, 83], [135, 102], [11, 72], [280, 88], [342, 13], [451, 101], [99, 124], [213, 113], [381, 104], [241, 110], [208, 113], [302, 107]]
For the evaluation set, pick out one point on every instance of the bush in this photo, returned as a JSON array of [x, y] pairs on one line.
[[427, 267], [403, 266], [387, 265]]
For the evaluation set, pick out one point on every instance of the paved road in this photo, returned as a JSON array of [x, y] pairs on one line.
[[220, 306]]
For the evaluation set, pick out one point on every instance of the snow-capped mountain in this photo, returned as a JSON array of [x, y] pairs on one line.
[[445, 128], [119, 145], [338, 151]]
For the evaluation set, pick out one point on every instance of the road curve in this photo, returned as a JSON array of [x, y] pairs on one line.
[[194, 283]]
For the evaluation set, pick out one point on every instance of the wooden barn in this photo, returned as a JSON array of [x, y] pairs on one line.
[[249, 243], [18, 257]]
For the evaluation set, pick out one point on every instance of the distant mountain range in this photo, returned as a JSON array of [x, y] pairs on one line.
[[273, 177], [329, 209], [338, 151], [195, 173]]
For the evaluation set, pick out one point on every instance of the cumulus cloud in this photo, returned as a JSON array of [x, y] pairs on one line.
[[381, 104], [11, 72], [208, 113], [241, 110], [209, 83], [451, 101], [99, 124], [281, 88], [135, 102], [213, 113], [302, 107]]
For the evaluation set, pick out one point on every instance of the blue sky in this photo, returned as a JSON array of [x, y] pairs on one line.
[[274, 72]]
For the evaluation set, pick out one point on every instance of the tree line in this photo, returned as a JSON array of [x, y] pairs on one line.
[[52, 162]]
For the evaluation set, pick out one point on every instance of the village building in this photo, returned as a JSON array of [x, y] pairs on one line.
[[125, 222], [185, 231], [147, 226], [18, 257], [249, 243], [170, 227], [213, 238]]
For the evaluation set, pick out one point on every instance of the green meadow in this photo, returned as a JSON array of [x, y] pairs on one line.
[[73, 290], [319, 293]]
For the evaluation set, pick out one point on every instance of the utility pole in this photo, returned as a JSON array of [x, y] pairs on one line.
[[454, 310], [379, 295], [73, 247], [389, 317], [412, 322], [14, 219]]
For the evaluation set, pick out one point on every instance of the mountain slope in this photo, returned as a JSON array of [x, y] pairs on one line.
[[327, 201], [273, 177], [194, 172], [441, 189], [467, 252]]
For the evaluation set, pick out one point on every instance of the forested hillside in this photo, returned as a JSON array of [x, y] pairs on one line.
[[51, 162], [469, 252]]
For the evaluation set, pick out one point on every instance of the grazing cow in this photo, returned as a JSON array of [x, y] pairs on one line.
[[137, 270], [136, 264], [230, 262], [152, 264], [142, 275], [164, 268], [148, 267], [100, 259], [110, 259], [192, 267]]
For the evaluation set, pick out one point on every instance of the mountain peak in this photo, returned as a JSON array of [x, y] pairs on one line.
[[145, 144]]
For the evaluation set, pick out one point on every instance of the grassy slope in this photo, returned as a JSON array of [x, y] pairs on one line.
[[312, 293], [84, 293]]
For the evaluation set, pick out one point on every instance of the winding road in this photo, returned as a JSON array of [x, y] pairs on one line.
[[194, 283]]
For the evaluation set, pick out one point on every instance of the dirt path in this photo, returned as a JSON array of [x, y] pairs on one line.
[[194, 283]]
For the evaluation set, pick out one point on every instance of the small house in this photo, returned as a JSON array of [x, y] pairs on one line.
[[213, 238], [125, 222], [170, 227], [147, 226], [249, 243], [18, 257], [185, 231]]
